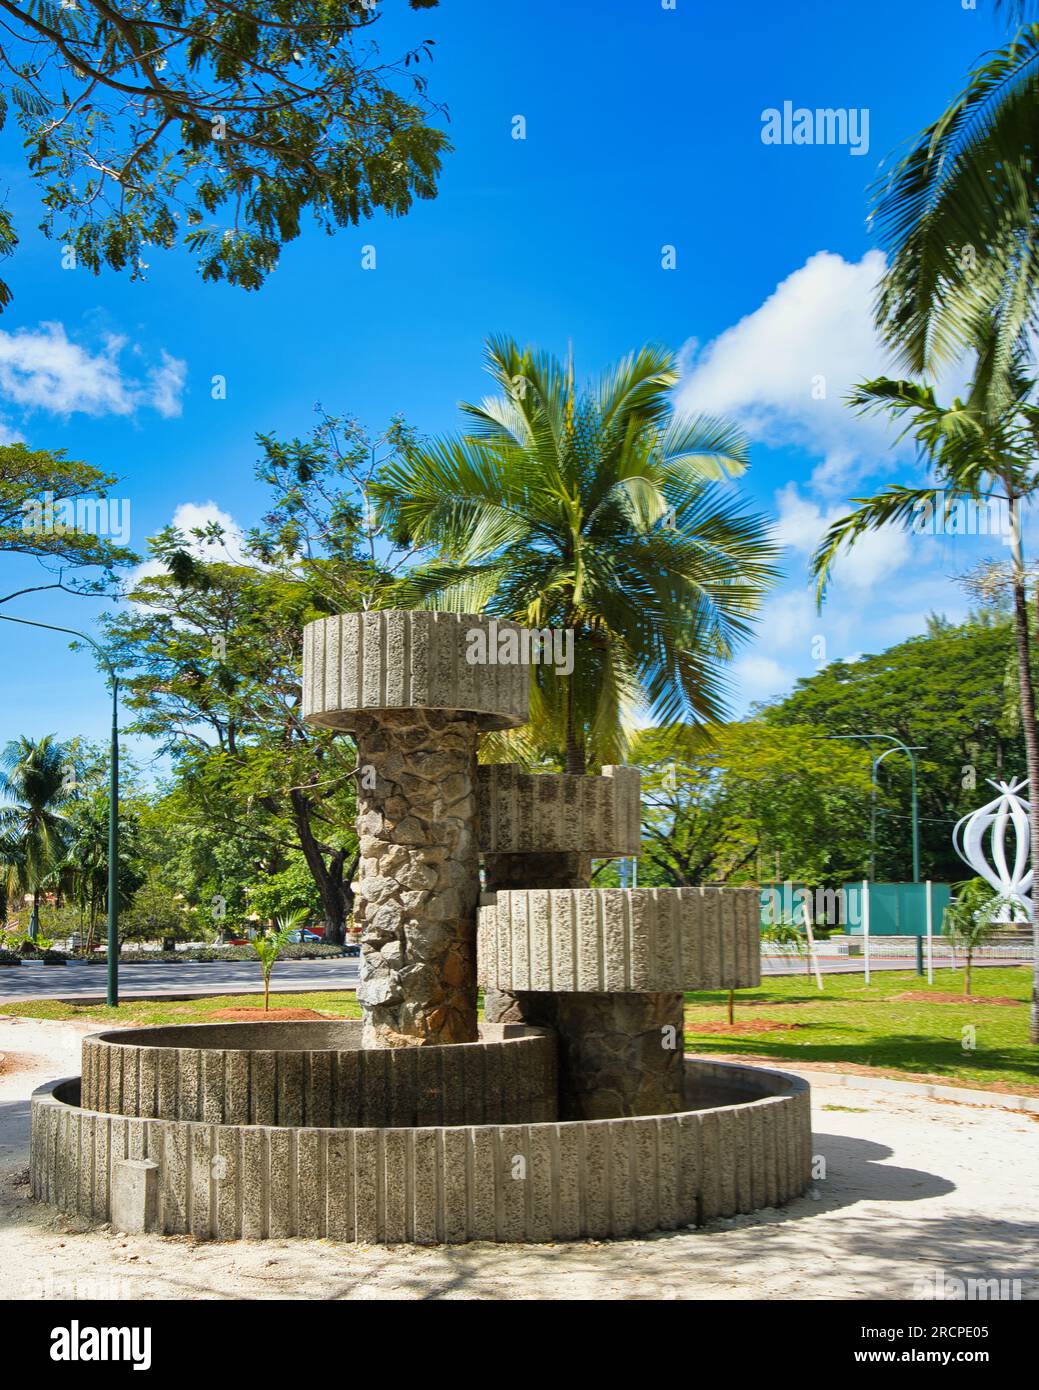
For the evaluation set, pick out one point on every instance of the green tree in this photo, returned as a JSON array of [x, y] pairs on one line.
[[214, 652], [982, 448], [155, 914], [290, 890], [726, 808], [971, 917], [596, 512], [27, 476], [189, 854], [222, 126], [322, 510], [83, 869], [269, 945], [33, 830], [943, 690]]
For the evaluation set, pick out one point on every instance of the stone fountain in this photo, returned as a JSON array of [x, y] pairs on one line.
[[570, 1112]]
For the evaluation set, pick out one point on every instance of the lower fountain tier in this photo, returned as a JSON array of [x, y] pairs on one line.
[[314, 1075], [745, 1143]]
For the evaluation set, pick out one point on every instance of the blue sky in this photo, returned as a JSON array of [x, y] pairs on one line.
[[643, 130]]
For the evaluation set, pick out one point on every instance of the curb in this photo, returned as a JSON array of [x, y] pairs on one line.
[[998, 1100]]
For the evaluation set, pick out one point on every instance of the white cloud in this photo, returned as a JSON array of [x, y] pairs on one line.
[[166, 384], [784, 370], [758, 677], [875, 557], [43, 369]]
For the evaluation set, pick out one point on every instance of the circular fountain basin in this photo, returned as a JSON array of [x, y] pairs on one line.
[[744, 1143]]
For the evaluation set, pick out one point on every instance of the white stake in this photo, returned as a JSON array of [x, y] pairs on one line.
[[865, 924], [930, 936], [811, 944]]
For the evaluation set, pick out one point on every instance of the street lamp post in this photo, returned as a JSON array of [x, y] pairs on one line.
[[911, 751], [113, 806]]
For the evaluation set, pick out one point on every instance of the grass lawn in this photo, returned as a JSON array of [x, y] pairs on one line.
[[852, 1024], [846, 1024], [335, 1003]]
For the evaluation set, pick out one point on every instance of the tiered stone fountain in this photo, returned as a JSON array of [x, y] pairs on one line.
[[571, 1112]]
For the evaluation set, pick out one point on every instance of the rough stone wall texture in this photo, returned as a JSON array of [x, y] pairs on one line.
[[545, 813], [606, 940], [419, 877], [536, 1182], [356, 662], [619, 1054], [509, 1076]]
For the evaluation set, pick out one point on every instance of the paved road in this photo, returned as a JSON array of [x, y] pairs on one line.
[[75, 981]]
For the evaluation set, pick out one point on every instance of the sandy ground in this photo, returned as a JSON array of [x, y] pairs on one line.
[[911, 1187]]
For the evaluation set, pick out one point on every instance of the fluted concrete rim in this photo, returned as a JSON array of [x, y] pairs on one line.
[[619, 940], [557, 812], [409, 661], [510, 1183], [316, 1074]]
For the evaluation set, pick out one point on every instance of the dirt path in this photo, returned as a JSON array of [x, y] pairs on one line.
[[911, 1186]]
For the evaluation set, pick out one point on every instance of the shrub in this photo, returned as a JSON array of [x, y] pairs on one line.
[[315, 950]]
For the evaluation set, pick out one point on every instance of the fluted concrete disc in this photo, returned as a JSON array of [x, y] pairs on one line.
[[602, 940], [547, 813], [357, 663]]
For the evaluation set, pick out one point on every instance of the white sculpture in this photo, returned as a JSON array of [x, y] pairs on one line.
[[968, 841]]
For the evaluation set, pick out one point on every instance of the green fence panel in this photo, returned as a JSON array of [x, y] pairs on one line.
[[896, 909]]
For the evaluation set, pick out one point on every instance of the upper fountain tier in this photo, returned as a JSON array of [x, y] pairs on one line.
[[371, 663]]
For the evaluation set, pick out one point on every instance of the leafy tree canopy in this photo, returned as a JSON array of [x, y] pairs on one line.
[[951, 690], [750, 802], [217, 125], [28, 478]]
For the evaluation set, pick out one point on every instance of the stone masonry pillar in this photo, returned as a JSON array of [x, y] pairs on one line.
[[415, 690], [419, 877]]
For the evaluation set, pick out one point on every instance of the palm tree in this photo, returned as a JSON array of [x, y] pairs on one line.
[[981, 448], [960, 212], [33, 779], [600, 513]]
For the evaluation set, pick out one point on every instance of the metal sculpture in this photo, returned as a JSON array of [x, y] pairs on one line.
[[1012, 881]]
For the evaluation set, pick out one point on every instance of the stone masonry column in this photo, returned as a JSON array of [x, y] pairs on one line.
[[415, 690], [419, 877]]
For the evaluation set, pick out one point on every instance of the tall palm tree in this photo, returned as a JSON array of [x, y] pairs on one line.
[[983, 448], [32, 829], [959, 215], [598, 512]]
